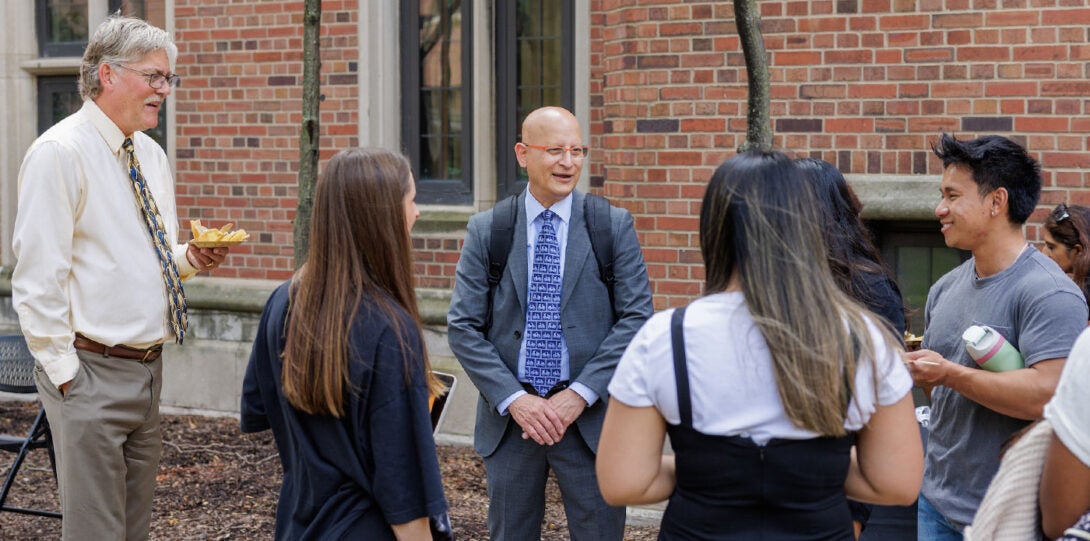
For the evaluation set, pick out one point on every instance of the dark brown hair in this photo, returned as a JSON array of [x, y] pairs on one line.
[[1075, 230], [360, 252]]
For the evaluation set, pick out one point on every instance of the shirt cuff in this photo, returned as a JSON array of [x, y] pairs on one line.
[[582, 390], [502, 408], [62, 369], [185, 269]]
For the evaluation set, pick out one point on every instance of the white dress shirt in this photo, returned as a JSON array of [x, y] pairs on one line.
[[85, 261], [562, 209]]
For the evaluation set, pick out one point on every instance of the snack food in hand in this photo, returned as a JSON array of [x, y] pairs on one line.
[[210, 236]]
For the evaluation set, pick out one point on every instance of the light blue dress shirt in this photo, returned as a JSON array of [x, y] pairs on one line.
[[562, 209]]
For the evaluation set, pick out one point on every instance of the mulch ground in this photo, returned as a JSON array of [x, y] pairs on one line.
[[218, 484]]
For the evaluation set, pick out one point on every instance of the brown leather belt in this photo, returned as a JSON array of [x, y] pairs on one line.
[[125, 352]]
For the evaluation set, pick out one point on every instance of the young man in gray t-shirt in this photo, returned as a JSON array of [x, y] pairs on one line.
[[990, 187]]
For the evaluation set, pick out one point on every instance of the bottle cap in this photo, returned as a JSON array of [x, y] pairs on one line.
[[974, 334]]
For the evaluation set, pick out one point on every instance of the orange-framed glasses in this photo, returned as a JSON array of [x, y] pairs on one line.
[[577, 152]]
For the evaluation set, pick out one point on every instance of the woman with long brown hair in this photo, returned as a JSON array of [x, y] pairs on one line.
[[776, 374], [339, 371]]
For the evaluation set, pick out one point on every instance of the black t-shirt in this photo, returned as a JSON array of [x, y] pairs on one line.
[[348, 478]]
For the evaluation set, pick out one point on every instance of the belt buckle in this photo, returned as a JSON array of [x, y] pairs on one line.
[[147, 352]]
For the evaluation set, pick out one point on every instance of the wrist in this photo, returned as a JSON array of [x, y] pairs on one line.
[[953, 375]]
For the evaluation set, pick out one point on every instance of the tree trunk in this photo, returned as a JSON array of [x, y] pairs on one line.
[[308, 136], [747, 17]]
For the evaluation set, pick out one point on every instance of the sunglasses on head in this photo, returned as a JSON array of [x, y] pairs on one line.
[[1060, 213]]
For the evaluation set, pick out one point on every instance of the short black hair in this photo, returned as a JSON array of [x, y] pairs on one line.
[[996, 162]]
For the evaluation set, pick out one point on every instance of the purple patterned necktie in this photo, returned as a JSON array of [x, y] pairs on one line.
[[543, 333], [150, 211]]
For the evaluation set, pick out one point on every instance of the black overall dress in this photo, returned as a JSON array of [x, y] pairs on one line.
[[730, 488]]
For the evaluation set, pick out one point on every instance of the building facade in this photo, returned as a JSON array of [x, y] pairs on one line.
[[659, 86]]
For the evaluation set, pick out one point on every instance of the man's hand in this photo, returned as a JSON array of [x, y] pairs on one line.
[[205, 259], [569, 405], [64, 387], [538, 419], [928, 368]]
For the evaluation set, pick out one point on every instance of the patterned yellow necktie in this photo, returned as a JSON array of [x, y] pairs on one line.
[[150, 211]]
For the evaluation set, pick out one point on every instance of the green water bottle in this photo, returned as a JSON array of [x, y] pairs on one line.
[[990, 350]]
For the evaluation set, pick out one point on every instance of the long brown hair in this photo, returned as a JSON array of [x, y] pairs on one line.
[[758, 220], [360, 252]]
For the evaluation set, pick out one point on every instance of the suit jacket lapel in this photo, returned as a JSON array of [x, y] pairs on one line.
[[516, 262], [578, 247]]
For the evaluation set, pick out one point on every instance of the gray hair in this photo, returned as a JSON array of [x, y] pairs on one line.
[[120, 40]]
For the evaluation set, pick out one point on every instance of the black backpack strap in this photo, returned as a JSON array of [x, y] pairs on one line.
[[681, 370], [600, 230], [503, 234]]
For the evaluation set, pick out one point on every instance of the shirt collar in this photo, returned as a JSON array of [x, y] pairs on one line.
[[106, 127], [561, 208]]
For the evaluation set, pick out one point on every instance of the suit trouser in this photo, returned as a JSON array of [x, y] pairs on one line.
[[517, 472], [107, 441]]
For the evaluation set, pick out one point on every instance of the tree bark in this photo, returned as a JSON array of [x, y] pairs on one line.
[[747, 17], [308, 136]]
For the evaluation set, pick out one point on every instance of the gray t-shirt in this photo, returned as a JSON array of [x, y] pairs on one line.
[[1041, 312]]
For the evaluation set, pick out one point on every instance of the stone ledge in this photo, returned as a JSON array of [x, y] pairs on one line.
[[897, 197], [442, 221], [248, 296], [228, 294]]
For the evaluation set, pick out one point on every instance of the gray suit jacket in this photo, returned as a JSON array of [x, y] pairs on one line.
[[595, 340]]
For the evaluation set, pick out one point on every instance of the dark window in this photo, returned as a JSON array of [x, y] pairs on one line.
[[58, 97], [436, 122], [62, 27], [132, 8], [535, 67], [918, 256]]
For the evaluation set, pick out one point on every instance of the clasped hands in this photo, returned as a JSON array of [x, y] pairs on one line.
[[546, 419]]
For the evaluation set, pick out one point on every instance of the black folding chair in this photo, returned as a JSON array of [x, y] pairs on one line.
[[17, 376]]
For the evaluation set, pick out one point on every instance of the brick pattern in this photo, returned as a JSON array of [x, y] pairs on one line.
[[239, 116], [436, 257], [865, 85]]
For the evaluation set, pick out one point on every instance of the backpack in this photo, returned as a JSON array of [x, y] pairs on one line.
[[599, 229]]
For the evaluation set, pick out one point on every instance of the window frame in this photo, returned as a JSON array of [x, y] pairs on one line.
[[48, 86], [435, 191], [509, 181], [60, 49]]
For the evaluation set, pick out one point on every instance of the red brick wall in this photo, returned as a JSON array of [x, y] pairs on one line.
[[239, 115], [864, 84]]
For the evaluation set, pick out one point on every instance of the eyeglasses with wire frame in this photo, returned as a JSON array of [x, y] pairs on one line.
[[1060, 213], [156, 80], [577, 152]]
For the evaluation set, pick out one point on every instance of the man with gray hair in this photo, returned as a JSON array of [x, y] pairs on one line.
[[97, 283]]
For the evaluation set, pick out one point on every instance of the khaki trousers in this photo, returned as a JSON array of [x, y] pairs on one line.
[[107, 440]]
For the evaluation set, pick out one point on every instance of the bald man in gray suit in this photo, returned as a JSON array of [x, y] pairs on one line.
[[524, 429]]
